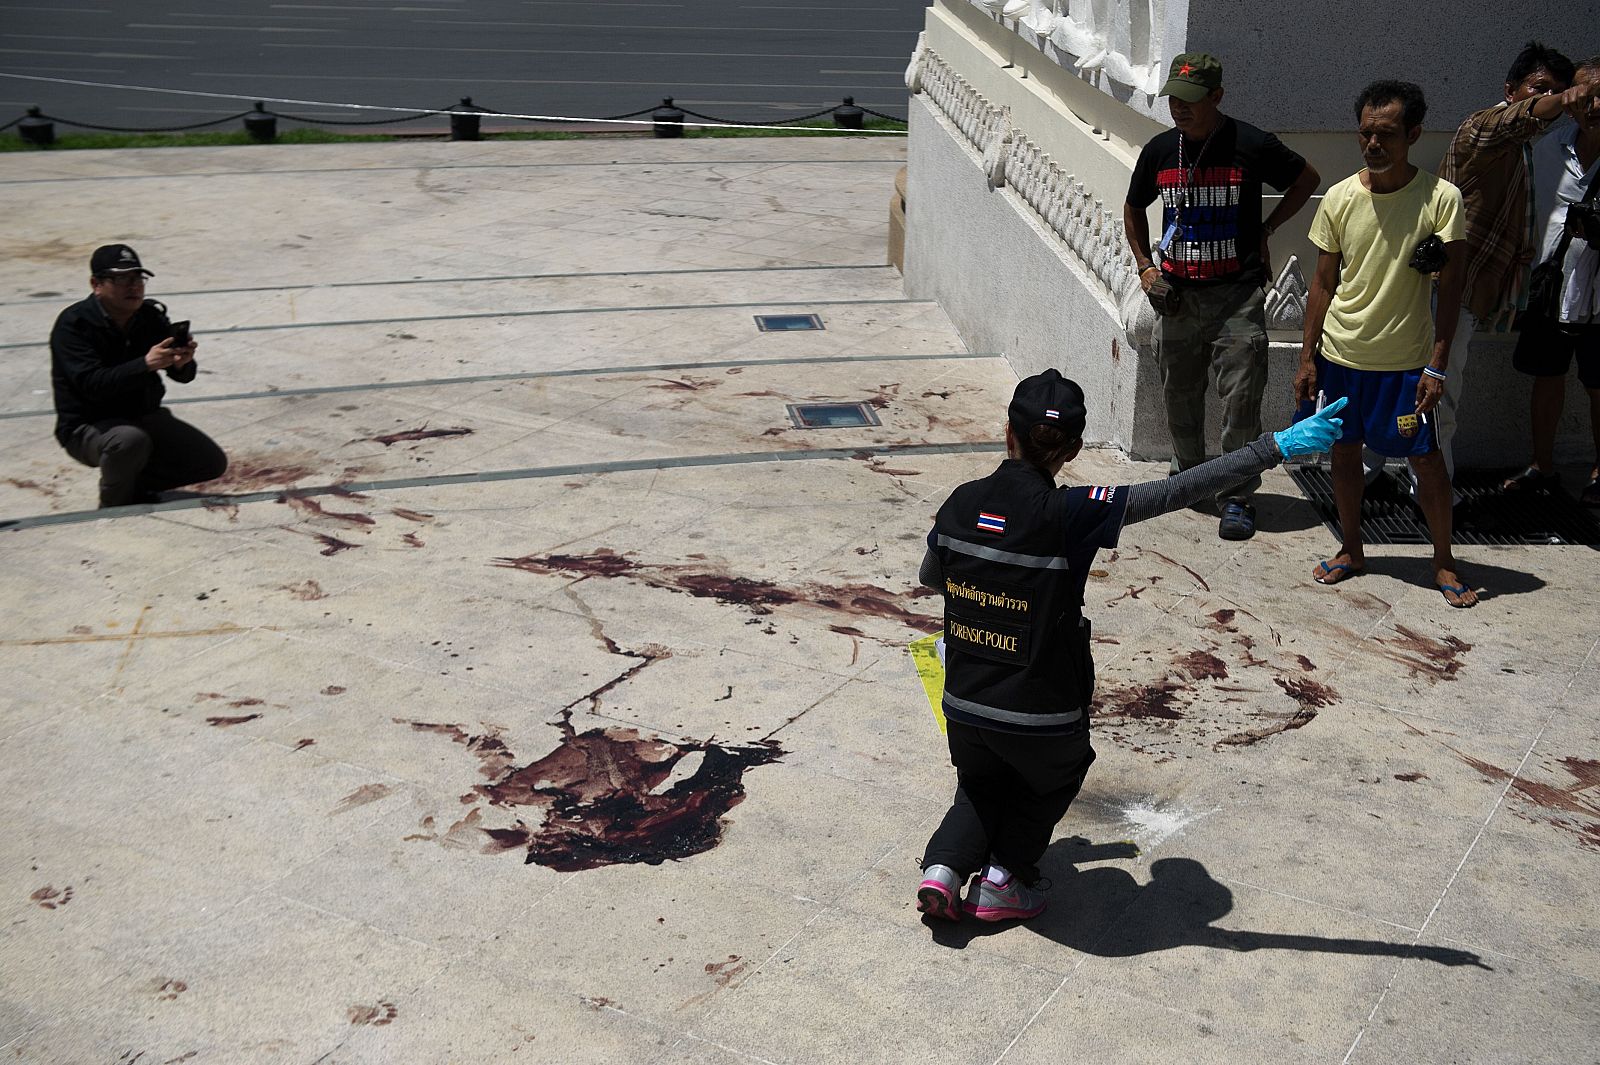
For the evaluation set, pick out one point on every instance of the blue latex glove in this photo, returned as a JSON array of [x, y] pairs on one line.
[[1315, 434]]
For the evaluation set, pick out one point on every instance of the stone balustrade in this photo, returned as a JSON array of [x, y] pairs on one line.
[[1080, 222]]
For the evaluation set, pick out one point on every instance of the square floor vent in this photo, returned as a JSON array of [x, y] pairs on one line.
[[831, 415], [787, 323]]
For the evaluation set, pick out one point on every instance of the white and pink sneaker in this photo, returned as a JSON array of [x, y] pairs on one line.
[[989, 901], [939, 893]]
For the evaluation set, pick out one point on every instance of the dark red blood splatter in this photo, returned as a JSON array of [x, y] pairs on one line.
[[1142, 701], [1250, 737], [311, 508], [1411, 778], [758, 596], [332, 545], [1203, 665], [224, 722], [1436, 659], [419, 434], [247, 474], [597, 794], [1308, 693]]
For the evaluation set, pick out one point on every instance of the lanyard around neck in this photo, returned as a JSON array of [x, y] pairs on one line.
[[1188, 177]]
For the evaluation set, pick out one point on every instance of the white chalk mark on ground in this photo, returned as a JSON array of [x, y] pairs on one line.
[[1153, 825]]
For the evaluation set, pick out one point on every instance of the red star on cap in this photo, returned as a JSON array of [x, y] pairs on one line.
[[1186, 69]]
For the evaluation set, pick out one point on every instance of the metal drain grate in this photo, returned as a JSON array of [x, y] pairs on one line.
[[787, 323], [831, 415], [1486, 516]]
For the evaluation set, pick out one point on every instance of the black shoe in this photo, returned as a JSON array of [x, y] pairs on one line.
[[1238, 520], [1531, 480], [137, 499]]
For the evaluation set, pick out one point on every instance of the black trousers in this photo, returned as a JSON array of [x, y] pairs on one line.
[[140, 456], [1011, 790]]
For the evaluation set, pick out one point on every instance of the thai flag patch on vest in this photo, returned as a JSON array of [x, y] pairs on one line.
[[991, 523], [1101, 494]]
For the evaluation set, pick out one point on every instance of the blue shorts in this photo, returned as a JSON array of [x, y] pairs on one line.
[[1382, 412]]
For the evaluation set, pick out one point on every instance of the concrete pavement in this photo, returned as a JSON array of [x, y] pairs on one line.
[[541, 695]]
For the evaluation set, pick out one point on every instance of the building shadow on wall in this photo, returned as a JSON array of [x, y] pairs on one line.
[[1105, 912]]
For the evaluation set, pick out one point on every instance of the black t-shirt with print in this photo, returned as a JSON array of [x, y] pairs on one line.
[[1219, 220]]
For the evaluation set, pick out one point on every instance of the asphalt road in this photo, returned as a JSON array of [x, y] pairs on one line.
[[746, 62]]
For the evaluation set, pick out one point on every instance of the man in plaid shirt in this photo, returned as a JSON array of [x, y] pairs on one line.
[[1488, 160]]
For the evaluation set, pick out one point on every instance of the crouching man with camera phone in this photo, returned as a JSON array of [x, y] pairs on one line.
[[107, 354]]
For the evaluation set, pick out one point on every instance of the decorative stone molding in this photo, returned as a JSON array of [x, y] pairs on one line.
[[1285, 304], [914, 71], [1083, 225], [978, 120], [1124, 39]]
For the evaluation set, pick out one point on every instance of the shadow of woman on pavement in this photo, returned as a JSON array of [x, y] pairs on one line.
[[1104, 911]]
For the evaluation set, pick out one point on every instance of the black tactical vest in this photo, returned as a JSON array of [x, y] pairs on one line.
[[1015, 553]]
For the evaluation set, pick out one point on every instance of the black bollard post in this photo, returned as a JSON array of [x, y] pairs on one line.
[[668, 119], [261, 124], [464, 120], [37, 130], [847, 115]]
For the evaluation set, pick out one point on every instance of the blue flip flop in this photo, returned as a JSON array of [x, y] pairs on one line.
[[1335, 567], [1457, 590]]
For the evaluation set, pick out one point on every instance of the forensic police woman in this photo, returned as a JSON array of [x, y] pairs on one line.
[[1011, 554]]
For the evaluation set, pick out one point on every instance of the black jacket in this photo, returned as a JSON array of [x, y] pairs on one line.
[[98, 370], [1014, 552]]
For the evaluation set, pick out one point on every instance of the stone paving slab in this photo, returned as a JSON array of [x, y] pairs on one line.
[[324, 774]]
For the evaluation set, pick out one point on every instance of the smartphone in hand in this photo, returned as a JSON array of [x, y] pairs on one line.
[[180, 334]]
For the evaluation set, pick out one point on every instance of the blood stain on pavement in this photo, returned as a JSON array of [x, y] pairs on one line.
[[1423, 655], [424, 433], [227, 722], [1310, 694], [601, 798], [1203, 665], [312, 509], [757, 596], [1140, 702], [1562, 806]]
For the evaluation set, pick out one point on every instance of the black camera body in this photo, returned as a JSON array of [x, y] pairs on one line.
[[1583, 219], [1429, 256], [1163, 297]]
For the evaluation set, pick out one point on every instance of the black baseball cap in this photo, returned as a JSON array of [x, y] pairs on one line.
[[1047, 399], [109, 260]]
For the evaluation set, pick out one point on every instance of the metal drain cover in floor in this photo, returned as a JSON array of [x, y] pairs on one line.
[[1486, 516], [831, 415], [787, 323]]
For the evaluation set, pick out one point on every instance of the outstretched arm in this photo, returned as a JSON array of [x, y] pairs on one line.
[[1313, 434]]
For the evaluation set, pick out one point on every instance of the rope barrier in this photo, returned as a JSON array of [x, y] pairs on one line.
[[880, 114], [141, 129], [350, 121], [412, 113]]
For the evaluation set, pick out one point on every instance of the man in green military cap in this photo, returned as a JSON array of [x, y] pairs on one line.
[[1210, 264]]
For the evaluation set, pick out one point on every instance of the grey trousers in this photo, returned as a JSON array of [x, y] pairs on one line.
[[140, 456], [1220, 334]]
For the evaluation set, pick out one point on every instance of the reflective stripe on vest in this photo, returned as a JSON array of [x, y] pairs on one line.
[[962, 547], [1011, 717]]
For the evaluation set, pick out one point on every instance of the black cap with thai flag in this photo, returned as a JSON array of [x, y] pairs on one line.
[[1047, 399]]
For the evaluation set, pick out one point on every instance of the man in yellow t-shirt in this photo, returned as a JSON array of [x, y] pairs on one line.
[[1371, 333]]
